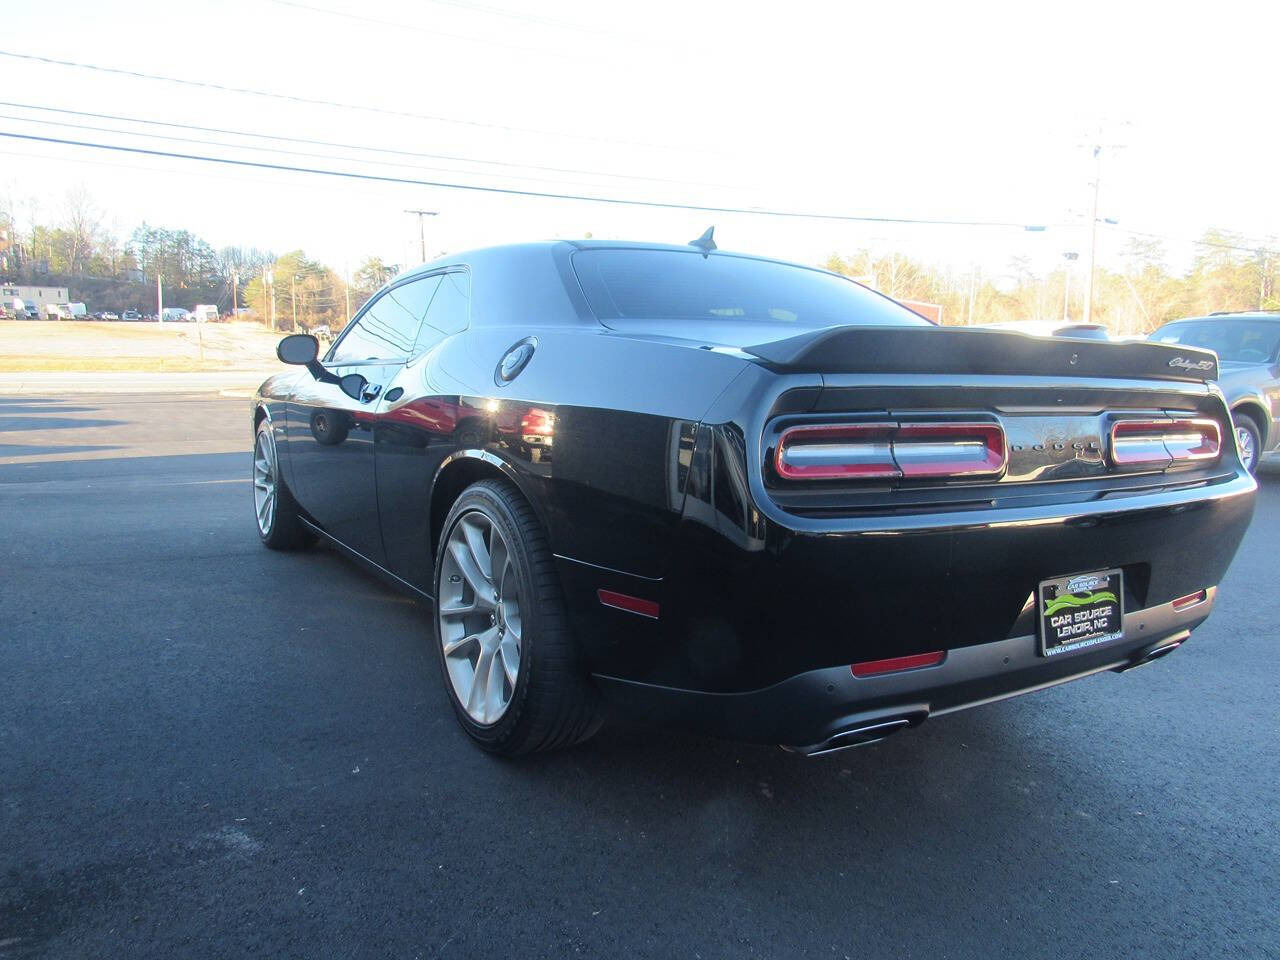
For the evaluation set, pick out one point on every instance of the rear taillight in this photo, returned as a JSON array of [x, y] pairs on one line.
[[1164, 443], [891, 450]]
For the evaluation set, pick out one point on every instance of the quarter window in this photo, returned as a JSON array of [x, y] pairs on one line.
[[449, 312], [387, 329]]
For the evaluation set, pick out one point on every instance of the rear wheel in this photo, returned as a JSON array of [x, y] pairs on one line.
[[510, 665], [1248, 439], [273, 504]]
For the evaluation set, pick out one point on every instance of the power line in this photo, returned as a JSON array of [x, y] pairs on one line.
[[283, 150], [515, 15], [313, 101], [512, 191], [433, 31], [352, 146]]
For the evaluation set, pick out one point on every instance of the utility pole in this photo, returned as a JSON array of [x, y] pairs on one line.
[[235, 285], [1093, 232], [269, 289], [973, 289], [293, 300], [346, 286], [159, 299], [422, 237], [1070, 256]]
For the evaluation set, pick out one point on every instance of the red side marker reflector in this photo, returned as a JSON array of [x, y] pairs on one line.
[[870, 668], [1190, 600], [621, 601]]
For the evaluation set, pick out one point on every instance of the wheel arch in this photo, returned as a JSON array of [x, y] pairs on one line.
[[459, 471], [260, 413]]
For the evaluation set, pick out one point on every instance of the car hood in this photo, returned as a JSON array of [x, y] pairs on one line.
[[1234, 376], [1229, 368]]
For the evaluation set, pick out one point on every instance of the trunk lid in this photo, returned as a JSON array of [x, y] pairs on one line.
[[965, 350]]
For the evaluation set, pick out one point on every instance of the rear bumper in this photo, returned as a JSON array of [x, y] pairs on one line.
[[751, 609], [827, 708]]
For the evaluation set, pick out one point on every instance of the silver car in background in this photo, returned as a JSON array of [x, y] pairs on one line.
[[1248, 348]]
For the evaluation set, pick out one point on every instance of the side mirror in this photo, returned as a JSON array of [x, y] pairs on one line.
[[300, 349]]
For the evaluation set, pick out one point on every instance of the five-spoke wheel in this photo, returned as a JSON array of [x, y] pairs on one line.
[[264, 480], [512, 668], [479, 613], [279, 525]]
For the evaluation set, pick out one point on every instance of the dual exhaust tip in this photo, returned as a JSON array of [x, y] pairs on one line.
[[873, 731], [860, 735], [1151, 654]]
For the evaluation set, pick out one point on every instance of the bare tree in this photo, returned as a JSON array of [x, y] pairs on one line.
[[82, 224]]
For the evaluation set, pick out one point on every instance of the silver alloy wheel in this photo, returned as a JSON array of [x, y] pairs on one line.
[[478, 608], [264, 480], [1248, 452]]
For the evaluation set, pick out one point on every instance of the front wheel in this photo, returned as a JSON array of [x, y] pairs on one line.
[[273, 505], [510, 664], [1249, 440]]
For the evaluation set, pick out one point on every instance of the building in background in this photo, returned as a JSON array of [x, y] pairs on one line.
[[36, 295], [930, 311]]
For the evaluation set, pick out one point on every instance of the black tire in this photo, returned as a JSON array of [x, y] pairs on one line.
[[554, 704], [1245, 422], [284, 531], [329, 427]]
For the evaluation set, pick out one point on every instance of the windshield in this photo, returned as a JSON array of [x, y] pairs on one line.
[[675, 285], [1242, 341]]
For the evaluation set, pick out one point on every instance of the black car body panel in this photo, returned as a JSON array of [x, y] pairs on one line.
[[648, 449]]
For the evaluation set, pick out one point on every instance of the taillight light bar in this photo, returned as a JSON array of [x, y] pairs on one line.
[[1164, 443], [891, 450]]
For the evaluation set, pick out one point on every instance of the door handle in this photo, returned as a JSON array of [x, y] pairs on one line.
[[370, 392]]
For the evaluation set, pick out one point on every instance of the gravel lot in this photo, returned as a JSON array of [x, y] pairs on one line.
[[208, 749]]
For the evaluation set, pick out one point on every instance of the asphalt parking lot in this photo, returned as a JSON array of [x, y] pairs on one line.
[[210, 749]]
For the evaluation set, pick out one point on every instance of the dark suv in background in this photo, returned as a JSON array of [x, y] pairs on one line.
[[1248, 349]]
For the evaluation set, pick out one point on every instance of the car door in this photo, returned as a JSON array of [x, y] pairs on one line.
[[331, 432], [419, 424]]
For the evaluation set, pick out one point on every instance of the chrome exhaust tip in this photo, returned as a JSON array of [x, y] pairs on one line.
[[858, 736], [1150, 655]]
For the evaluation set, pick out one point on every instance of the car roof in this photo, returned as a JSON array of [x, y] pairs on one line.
[[519, 250], [1241, 315]]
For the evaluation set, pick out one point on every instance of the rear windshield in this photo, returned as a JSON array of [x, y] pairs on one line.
[[1241, 341], [675, 285]]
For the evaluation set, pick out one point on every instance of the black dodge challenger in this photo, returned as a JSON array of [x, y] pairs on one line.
[[746, 497]]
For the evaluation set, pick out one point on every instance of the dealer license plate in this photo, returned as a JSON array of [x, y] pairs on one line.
[[1080, 611]]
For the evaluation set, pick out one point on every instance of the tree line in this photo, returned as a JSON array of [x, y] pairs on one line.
[[1144, 292], [110, 270]]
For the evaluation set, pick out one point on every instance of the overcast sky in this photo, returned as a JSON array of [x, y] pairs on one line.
[[947, 111]]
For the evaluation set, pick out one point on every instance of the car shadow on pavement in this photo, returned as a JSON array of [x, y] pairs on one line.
[[8, 450], [32, 422]]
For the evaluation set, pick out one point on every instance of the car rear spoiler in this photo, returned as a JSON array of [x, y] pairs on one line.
[[966, 350]]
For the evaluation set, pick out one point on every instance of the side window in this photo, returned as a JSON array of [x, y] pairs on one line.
[[450, 310], [388, 328]]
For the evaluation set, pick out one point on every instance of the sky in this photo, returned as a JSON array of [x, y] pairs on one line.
[[950, 111]]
